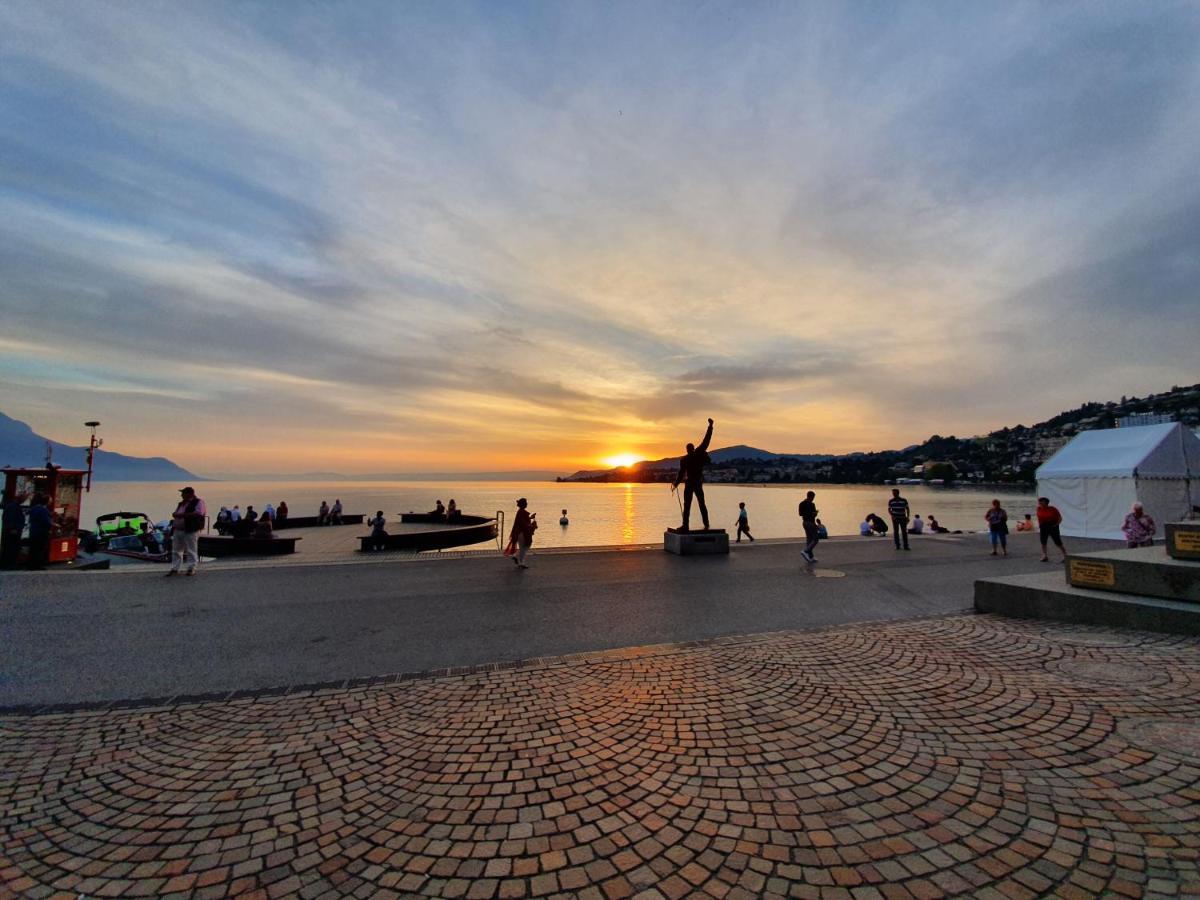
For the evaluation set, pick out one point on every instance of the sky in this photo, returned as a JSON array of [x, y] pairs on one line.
[[400, 237]]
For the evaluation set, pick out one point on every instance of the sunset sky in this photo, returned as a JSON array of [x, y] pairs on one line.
[[437, 236]]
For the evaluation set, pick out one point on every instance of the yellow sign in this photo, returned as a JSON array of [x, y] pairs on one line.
[[1089, 573], [1187, 541]]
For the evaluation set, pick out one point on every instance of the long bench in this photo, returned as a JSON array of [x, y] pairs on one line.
[[314, 521], [230, 546]]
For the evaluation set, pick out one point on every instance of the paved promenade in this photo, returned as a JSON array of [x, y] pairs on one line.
[[959, 755], [82, 636]]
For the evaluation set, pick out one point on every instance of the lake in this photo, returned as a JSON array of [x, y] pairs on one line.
[[599, 514]]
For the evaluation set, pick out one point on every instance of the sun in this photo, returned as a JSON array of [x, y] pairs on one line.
[[621, 460]]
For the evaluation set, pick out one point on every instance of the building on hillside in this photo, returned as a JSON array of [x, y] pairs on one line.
[[1136, 420]]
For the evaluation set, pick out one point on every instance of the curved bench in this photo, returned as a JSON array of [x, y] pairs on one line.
[[464, 530]]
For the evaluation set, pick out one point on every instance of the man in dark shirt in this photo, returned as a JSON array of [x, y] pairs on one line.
[[40, 524], [808, 516], [898, 510], [13, 527], [691, 473]]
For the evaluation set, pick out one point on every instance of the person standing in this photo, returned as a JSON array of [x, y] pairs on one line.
[[520, 539], [743, 524], [1139, 528], [691, 474], [997, 520], [1049, 520], [379, 533], [41, 522], [281, 513], [898, 510], [186, 524], [13, 529], [808, 517]]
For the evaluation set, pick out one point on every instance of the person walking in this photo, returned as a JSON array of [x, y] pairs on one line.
[[520, 539], [1139, 528], [379, 533], [13, 529], [898, 510], [186, 524], [743, 524], [1049, 519], [41, 522], [997, 520], [691, 474], [808, 517]]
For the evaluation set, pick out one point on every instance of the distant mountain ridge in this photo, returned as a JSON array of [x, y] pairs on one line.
[[21, 446], [721, 457]]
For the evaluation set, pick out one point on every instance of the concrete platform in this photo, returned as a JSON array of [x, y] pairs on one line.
[[1183, 540], [705, 542], [1146, 571], [1044, 596]]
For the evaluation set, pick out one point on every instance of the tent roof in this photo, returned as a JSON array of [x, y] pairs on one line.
[[1148, 451]]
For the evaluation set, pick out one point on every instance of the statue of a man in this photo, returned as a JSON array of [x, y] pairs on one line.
[[691, 473]]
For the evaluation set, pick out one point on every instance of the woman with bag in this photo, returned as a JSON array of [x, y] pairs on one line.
[[520, 539], [997, 520]]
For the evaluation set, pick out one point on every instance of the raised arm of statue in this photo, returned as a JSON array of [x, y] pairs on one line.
[[707, 437]]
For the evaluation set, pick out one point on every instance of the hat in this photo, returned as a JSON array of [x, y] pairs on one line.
[[187, 490]]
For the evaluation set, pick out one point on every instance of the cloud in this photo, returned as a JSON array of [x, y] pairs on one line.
[[515, 227]]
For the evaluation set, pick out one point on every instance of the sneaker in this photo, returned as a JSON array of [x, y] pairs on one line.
[[908, 548], [808, 557], [172, 572], [191, 571]]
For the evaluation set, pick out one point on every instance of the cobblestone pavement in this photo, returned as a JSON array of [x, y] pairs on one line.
[[959, 755]]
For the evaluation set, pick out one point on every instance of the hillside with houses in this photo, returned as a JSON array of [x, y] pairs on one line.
[[1008, 456]]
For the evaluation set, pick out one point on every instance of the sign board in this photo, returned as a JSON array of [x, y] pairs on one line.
[[1091, 573]]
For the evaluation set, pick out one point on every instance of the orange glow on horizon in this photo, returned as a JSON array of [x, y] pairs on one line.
[[621, 460]]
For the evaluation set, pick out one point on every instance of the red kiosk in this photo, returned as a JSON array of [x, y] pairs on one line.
[[63, 489]]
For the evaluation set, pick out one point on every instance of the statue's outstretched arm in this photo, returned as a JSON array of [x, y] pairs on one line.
[[707, 437]]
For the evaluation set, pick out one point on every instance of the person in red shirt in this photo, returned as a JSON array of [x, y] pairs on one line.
[[1049, 518]]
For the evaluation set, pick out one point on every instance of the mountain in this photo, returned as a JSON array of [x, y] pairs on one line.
[[522, 475], [21, 446], [722, 457]]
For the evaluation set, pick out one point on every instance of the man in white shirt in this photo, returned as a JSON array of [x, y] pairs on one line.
[[917, 526]]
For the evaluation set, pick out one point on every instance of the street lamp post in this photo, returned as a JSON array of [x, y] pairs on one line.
[[92, 447]]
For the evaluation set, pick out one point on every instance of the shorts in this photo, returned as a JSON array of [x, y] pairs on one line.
[[1050, 533]]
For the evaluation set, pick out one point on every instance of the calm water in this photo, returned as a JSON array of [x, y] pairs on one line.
[[600, 514]]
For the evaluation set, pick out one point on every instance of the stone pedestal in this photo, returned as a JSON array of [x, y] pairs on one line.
[[706, 542], [1143, 571], [1183, 540]]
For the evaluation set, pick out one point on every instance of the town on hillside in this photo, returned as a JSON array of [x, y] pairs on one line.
[[1008, 456]]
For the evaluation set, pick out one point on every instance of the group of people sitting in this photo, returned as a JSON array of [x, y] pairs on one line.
[[251, 523], [330, 515], [872, 524], [449, 513]]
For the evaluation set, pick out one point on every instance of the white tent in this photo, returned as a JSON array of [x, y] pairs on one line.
[[1095, 478]]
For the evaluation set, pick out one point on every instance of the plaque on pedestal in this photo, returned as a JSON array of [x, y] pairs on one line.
[[704, 542], [1183, 540]]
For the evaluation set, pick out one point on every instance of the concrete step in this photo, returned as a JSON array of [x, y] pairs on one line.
[[1044, 596], [1145, 571]]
